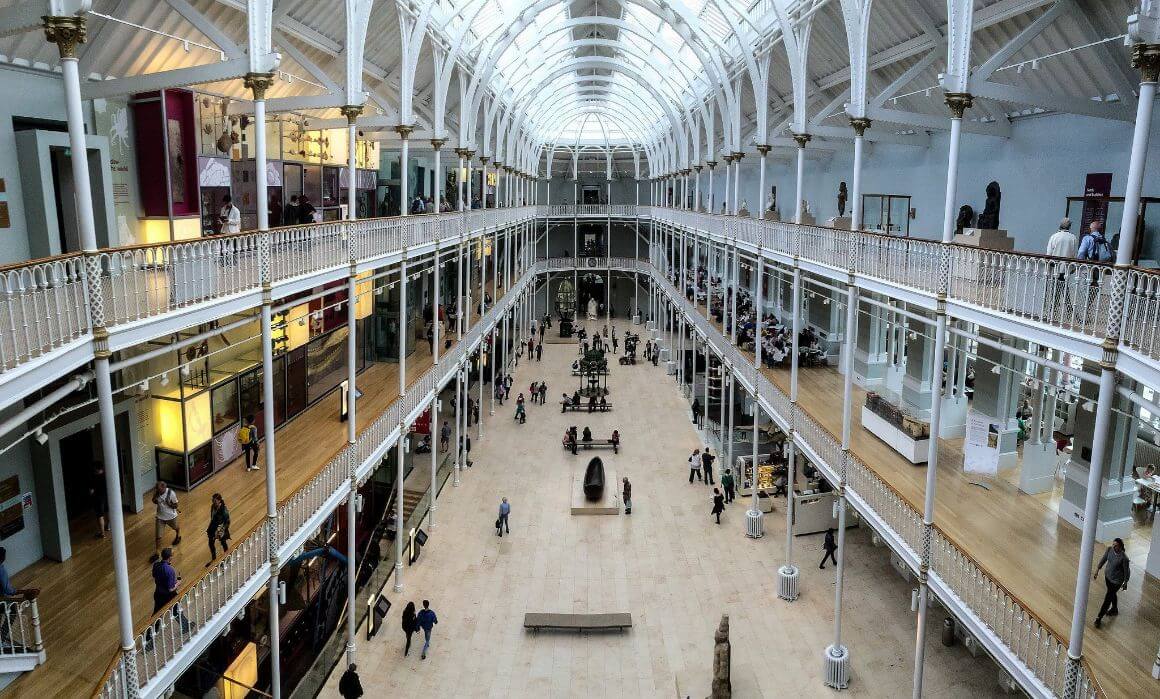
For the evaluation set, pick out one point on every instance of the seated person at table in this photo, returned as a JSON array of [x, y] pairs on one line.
[[616, 437], [587, 434], [603, 403], [576, 398], [592, 403]]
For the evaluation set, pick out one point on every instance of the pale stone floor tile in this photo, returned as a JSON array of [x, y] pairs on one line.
[[668, 564]]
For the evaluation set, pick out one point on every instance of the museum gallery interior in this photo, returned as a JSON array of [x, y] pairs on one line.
[[639, 348]]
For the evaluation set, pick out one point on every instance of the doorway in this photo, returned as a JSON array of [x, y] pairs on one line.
[[80, 453], [591, 194]]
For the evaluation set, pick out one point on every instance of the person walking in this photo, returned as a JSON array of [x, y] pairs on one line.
[[697, 412], [695, 465], [655, 355], [521, 414], [410, 625], [501, 523], [349, 686], [218, 530], [467, 449], [728, 485], [426, 621], [540, 351], [444, 435], [1063, 243], [165, 580], [543, 391], [248, 439], [1094, 245], [718, 504], [626, 495], [707, 460], [99, 497], [830, 546], [1115, 577], [167, 510]]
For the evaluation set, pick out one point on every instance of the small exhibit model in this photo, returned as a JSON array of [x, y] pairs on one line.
[[594, 480], [966, 218], [989, 219]]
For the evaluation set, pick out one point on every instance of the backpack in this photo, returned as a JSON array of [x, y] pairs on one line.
[[245, 434]]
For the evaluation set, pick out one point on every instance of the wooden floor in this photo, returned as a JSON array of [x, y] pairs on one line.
[[1017, 537], [78, 599]]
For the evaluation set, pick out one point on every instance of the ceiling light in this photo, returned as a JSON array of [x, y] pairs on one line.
[[165, 378], [1088, 405], [40, 436], [995, 369]]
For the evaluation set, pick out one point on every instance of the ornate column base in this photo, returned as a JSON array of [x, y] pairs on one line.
[[836, 667], [787, 582], [754, 524]]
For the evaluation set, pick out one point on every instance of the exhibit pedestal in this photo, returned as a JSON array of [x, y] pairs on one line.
[[609, 503], [988, 238], [808, 219], [840, 222], [914, 450], [636, 319], [1037, 474], [670, 368], [953, 422]]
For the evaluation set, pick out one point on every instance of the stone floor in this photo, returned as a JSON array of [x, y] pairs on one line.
[[667, 564]]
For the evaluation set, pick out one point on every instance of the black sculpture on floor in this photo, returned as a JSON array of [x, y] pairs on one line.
[[594, 480], [965, 219], [989, 219], [842, 198]]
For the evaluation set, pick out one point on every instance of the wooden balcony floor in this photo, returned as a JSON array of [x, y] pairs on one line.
[[1018, 538], [78, 599]]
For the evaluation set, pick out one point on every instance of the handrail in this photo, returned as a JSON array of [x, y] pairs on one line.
[[1019, 644], [170, 627]]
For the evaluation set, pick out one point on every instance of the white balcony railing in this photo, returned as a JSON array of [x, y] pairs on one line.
[[1041, 650], [20, 641], [1065, 294]]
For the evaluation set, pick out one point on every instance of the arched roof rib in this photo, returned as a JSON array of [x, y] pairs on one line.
[[682, 80]]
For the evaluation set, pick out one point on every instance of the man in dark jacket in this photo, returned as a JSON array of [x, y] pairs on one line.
[[830, 547], [707, 465], [349, 686]]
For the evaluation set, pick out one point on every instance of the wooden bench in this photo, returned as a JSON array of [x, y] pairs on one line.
[[580, 622], [592, 444], [566, 405]]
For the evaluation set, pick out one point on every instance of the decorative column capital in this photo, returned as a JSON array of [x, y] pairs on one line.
[[698, 168], [258, 83], [351, 112], [802, 139], [728, 158], [859, 124], [737, 156], [437, 143], [711, 164], [764, 149], [959, 102], [404, 131], [1146, 59], [484, 158], [66, 32], [470, 154]]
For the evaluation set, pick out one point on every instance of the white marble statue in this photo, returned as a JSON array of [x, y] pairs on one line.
[[592, 307]]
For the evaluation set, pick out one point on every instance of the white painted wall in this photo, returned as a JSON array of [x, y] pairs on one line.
[[1045, 161]]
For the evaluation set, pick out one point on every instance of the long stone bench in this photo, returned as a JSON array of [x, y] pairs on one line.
[[579, 622]]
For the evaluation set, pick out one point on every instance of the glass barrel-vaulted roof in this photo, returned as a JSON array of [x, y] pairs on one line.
[[599, 71]]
